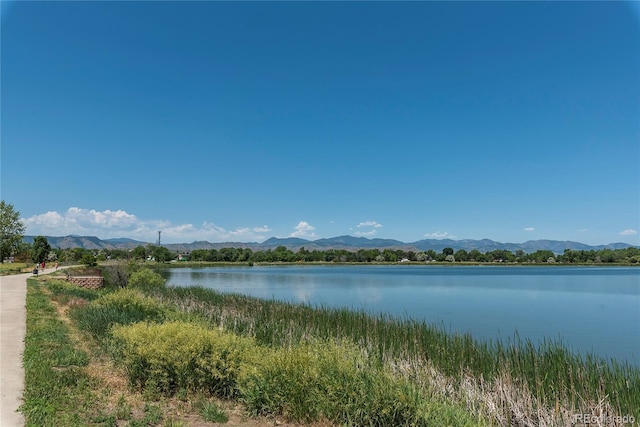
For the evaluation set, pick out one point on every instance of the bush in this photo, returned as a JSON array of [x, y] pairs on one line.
[[180, 355], [89, 260], [146, 279], [117, 275], [123, 307]]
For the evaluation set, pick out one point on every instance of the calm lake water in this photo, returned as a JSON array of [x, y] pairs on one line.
[[590, 309]]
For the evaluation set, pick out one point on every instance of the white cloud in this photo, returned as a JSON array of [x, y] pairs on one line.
[[304, 230], [628, 232], [440, 235], [49, 219], [529, 229], [582, 230], [119, 223], [77, 221], [369, 224]]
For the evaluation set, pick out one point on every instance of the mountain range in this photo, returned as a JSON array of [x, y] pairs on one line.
[[341, 242]]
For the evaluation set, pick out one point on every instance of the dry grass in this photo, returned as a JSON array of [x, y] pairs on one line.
[[504, 400]]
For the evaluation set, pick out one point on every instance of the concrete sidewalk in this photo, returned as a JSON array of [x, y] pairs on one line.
[[13, 317]]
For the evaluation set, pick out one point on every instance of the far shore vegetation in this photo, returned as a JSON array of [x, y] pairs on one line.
[[138, 352], [160, 254]]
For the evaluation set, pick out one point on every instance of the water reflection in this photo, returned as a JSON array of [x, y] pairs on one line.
[[590, 309]]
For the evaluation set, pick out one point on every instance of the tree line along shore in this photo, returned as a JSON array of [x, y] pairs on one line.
[[40, 251]]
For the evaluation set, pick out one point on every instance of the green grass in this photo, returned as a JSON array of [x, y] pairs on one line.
[[56, 384], [12, 268], [59, 391], [211, 412]]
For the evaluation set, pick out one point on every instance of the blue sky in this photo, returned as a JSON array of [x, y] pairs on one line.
[[241, 121]]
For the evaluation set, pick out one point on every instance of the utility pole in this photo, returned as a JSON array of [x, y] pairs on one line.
[[159, 237]]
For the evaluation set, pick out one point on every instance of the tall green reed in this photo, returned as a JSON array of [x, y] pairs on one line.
[[550, 371]]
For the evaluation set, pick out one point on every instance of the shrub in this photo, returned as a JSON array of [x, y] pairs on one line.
[[177, 355], [146, 279], [123, 307], [89, 260]]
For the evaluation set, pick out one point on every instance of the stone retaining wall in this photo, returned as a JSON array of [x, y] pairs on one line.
[[89, 282]]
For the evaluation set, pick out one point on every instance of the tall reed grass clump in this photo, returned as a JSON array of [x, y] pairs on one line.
[[322, 380]]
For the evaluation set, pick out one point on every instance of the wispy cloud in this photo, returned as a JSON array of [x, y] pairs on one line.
[[304, 230], [529, 229], [119, 223], [440, 235], [368, 228], [628, 232], [369, 224], [583, 230]]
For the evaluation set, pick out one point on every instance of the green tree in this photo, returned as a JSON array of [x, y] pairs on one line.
[[390, 255], [461, 255], [11, 230], [160, 253], [447, 251], [89, 259], [139, 252], [40, 249]]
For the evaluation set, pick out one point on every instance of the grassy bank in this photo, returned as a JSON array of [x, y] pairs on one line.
[[545, 383], [13, 268], [308, 364]]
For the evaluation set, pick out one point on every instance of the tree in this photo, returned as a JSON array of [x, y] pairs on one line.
[[139, 252], [476, 256], [447, 251], [89, 259], [160, 253], [11, 230], [461, 255], [390, 255], [40, 249], [421, 256]]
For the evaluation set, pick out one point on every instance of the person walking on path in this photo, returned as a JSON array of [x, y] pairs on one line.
[[13, 327]]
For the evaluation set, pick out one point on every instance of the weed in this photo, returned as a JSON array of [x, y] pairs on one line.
[[123, 409], [152, 414], [210, 412]]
